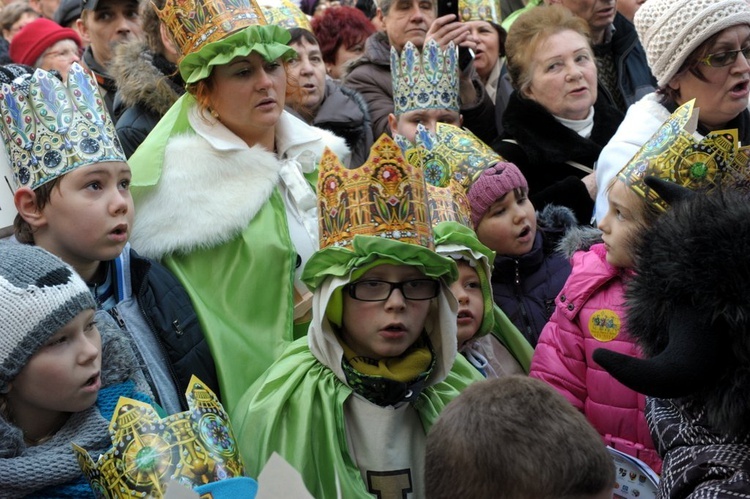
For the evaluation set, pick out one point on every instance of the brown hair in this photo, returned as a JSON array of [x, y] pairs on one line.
[[11, 13], [150, 23], [514, 438], [528, 32], [22, 230]]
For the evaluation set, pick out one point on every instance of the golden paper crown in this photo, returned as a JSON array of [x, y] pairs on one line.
[[480, 10], [385, 197], [674, 153], [56, 128], [448, 204], [194, 447], [194, 24], [451, 153], [285, 14], [424, 81]]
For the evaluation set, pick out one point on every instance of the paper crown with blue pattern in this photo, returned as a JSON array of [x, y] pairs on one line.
[[426, 80], [676, 154], [196, 448], [56, 127], [480, 10]]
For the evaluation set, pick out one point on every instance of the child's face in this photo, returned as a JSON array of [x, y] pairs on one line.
[[406, 124], [509, 226], [620, 224], [89, 215], [468, 292], [62, 376], [380, 329]]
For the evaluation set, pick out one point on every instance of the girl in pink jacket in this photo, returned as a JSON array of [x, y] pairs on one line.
[[590, 314]]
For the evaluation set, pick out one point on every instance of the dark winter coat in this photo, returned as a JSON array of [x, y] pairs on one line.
[[694, 261], [543, 145], [370, 75], [525, 287], [147, 86], [344, 113], [170, 314]]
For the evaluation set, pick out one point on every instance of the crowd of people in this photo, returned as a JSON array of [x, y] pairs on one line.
[[409, 251]]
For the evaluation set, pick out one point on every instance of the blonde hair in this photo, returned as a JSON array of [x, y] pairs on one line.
[[529, 31]]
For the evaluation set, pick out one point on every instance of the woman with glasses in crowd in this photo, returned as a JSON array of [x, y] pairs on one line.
[[697, 49]]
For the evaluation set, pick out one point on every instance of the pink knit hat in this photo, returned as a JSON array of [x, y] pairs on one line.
[[491, 185], [36, 37]]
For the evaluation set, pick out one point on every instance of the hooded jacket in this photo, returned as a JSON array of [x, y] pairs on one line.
[[305, 409], [232, 223], [590, 313], [147, 86]]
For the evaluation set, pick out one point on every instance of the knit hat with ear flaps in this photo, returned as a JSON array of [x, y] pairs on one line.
[[491, 185], [670, 30], [39, 294]]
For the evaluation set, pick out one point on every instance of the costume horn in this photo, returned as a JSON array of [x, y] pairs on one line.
[[693, 358], [670, 192]]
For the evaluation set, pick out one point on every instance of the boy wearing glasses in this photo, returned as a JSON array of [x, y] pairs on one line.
[[349, 406]]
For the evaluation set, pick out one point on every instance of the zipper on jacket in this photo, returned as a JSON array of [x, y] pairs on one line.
[[522, 305]]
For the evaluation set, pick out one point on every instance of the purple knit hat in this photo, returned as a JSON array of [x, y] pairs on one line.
[[492, 184]]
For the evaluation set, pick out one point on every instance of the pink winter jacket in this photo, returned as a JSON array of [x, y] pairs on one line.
[[590, 314]]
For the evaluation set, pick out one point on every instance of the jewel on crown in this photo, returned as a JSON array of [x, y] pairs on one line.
[[385, 197], [194, 24], [675, 153], [480, 10], [427, 80], [194, 448], [56, 128]]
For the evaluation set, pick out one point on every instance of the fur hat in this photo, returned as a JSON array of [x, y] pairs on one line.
[[494, 183], [39, 294], [36, 37], [670, 30]]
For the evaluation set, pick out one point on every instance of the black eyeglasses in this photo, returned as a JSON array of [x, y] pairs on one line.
[[375, 290], [721, 59]]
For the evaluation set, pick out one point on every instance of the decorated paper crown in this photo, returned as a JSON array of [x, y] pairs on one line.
[[451, 153], [384, 197], [195, 448], [424, 81], [194, 24], [674, 153], [448, 204], [285, 14], [56, 128], [480, 10]]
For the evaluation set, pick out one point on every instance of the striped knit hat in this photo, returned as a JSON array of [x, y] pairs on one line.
[[39, 294]]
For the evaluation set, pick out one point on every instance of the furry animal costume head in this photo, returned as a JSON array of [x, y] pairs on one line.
[[689, 309]]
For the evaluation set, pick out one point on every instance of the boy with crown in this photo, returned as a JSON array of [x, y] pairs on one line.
[[349, 406], [73, 199]]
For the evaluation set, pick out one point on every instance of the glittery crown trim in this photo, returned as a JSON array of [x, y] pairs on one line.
[[480, 10], [56, 128], [194, 447], [674, 153], [285, 14]]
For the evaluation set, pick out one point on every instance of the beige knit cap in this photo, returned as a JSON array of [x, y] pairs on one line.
[[670, 30]]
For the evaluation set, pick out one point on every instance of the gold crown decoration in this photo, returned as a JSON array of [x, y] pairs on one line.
[[384, 197], [449, 154], [285, 14], [195, 448], [480, 10], [194, 24], [448, 204], [674, 153], [427, 80], [56, 128]]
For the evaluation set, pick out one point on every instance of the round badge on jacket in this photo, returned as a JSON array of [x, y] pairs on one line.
[[604, 325]]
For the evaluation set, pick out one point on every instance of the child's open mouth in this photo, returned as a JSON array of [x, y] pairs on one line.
[[525, 232]]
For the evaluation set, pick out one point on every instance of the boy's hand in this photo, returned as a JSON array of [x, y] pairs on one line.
[[445, 30]]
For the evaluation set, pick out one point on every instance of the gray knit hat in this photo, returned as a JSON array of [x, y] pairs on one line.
[[670, 30], [39, 294]]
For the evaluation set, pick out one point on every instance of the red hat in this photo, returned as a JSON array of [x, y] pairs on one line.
[[36, 37]]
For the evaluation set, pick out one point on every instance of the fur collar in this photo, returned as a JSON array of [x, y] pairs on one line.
[[140, 81], [175, 216], [546, 140]]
